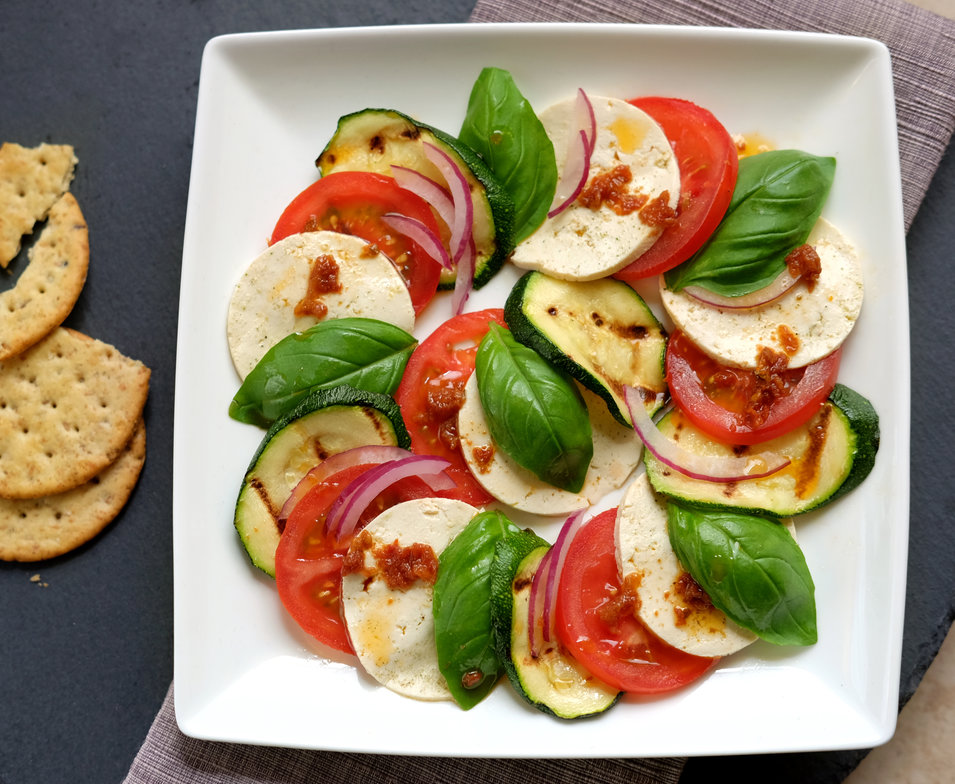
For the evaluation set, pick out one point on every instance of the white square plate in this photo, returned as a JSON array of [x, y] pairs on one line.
[[267, 105]]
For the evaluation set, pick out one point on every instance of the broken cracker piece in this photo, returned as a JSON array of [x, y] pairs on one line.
[[48, 288], [31, 180]]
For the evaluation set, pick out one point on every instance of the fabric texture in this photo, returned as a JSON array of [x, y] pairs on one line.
[[922, 46], [169, 757]]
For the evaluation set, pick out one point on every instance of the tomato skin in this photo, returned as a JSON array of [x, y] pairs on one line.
[[718, 412], [627, 655], [439, 367], [709, 163], [308, 564], [354, 203]]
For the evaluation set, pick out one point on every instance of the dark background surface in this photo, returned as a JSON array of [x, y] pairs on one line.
[[86, 651]]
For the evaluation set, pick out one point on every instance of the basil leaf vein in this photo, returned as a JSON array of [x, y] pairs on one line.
[[534, 411], [778, 198], [364, 353], [503, 128], [751, 568]]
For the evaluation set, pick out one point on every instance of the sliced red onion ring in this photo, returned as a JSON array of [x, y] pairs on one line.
[[419, 233], [573, 176], [343, 516], [464, 279], [361, 455], [546, 583], [427, 189], [783, 283], [576, 168], [586, 119], [535, 602], [708, 468], [462, 224]]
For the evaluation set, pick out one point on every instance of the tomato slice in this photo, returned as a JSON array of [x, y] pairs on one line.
[[709, 162], [432, 390], [623, 653], [715, 397], [354, 203], [308, 565]]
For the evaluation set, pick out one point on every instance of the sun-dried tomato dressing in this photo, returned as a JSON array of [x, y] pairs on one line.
[[804, 262], [323, 278], [400, 566], [611, 189], [750, 393]]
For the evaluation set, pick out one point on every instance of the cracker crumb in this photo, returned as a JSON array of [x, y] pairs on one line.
[[39, 581]]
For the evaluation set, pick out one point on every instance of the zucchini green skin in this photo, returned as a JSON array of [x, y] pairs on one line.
[[600, 332], [516, 561], [294, 444], [374, 139], [845, 460], [864, 421]]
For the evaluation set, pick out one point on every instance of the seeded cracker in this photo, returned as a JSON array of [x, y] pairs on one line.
[[41, 528], [68, 406], [51, 283], [31, 180]]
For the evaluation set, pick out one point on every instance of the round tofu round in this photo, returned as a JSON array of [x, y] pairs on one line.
[[282, 291], [643, 550], [392, 631], [820, 319], [617, 451], [581, 243]]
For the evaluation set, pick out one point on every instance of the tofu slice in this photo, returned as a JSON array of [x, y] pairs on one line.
[[617, 451], [262, 310], [392, 631], [820, 319], [581, 243], [643, 549]]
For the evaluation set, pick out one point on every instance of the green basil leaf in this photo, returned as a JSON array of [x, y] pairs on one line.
[[462, 609], [778, 198], [502, 127], [534, 411], [751, 568], [363, 353]]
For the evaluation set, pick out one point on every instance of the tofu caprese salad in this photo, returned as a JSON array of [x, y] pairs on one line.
[[659, 380]]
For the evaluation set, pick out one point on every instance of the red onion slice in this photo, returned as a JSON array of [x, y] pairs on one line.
[[420, 234], [427, 189], [559, 554], [783, 283], [343, 516], [708, 468], [586, 119], [535, 602], [462, 224], [464, 279], [576, 168], [546, 583], [361, 455], [573, 176]]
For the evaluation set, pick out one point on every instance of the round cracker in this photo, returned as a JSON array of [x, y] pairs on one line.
[[68, 406], [41, 528], [48, 288]]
